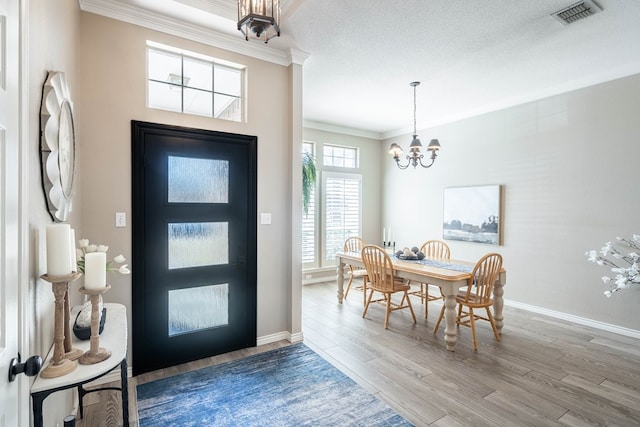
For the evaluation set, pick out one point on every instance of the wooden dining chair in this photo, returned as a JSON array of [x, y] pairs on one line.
[[355, 244], [382, 280], [478, 294], [431, 249]]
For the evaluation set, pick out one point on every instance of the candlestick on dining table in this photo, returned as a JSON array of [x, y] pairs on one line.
[[95, 353]]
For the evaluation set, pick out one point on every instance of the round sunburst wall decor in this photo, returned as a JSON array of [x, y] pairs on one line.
[[57, 146]]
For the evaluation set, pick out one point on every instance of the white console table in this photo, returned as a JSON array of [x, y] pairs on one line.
[[114, 338]]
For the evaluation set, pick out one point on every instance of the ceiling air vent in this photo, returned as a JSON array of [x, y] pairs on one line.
[[577, 11]]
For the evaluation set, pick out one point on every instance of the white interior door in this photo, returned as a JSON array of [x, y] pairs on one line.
[[14, 396]]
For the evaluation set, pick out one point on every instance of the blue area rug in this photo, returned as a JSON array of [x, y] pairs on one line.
[[290, 386]]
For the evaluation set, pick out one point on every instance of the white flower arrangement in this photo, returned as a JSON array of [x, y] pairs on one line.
[[86, 247], [628, 272]]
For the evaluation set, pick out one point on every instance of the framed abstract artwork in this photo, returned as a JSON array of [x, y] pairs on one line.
[[472, 214]]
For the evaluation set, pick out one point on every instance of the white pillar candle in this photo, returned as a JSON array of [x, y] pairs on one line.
[[95, 270], [72, 242], [58, 250]]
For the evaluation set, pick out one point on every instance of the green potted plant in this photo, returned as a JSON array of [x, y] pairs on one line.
[[308, 179]]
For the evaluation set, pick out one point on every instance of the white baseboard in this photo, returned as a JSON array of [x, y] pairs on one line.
[[575, 319], [319, 280], [318, 275], [279, 336]]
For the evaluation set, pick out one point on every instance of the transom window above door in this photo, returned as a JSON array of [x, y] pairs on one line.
[[190, 83]]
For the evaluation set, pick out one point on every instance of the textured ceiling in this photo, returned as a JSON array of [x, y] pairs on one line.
[[471, 56]]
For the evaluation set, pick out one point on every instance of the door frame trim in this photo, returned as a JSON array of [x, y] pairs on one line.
[[25, 326]]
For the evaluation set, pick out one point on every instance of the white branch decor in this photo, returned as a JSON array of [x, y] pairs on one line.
[[625, 263]]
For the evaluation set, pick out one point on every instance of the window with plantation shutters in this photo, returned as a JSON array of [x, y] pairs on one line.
[[334, 211], [342, 212]]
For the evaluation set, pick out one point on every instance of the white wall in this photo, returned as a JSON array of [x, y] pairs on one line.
[[569, 169]]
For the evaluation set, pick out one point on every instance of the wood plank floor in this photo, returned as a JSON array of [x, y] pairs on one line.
[[544, 372]]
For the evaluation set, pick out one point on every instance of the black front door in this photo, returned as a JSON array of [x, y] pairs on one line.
[[194, 244]]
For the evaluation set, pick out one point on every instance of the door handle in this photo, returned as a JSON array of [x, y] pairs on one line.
[[30, 367]]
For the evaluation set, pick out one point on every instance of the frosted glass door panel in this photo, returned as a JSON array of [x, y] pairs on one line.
[[195, 309], [197, 244], [193, 180]]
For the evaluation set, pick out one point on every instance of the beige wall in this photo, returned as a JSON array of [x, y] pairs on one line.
[[569, 167], [113, 92], [52, 46]]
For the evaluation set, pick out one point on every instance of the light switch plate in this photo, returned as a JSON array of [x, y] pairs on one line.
[[265, 218], [121, 219]]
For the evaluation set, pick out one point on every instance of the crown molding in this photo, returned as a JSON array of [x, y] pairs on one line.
[[224, 8], [154, 21], [341, 129], [229, 9], [297, 56]]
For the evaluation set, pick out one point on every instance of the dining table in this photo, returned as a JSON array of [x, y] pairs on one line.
[[449, 275]]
